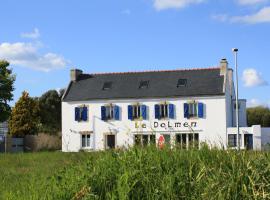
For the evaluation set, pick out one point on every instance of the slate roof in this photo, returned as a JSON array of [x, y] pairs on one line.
[[200, 82]]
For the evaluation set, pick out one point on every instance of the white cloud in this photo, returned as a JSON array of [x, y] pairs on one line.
[[254, 103], [32, 35], [251, 2], [220, 17], [166, 4], [252, 78], [27, 55], [262, 16]]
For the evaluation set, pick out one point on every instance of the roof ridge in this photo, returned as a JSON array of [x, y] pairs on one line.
[[149, 71]]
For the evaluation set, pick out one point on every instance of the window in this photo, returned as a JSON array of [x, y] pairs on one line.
[[181, 82], [85, 140], [232, 140], [110, 112], [144, 140], [185, 140], [107, 86], [144, 84], [163, 111], [137, 111], [193, 109], [81, 113]]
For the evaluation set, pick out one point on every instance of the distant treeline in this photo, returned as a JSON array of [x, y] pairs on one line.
[[258, 116]]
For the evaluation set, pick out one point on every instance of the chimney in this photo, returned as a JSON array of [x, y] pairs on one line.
[[223, 66], [74, 74]]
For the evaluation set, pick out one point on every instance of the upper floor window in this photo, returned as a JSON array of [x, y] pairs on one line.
[[144, 84], [107, 86], [137, 111], [164, 110], [181, 82], [110, 112], [193, 109], [81, 113]]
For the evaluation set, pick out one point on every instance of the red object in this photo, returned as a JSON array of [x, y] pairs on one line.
[[161, 141]]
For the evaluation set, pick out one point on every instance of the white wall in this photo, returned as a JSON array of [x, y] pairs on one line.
[[265, 138], [211, 128]]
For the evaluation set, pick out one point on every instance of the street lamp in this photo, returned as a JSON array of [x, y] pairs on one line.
[[235, 50]]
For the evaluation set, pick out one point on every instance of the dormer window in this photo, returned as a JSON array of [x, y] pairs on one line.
[[144, 85], [107, 86], [181, 82]]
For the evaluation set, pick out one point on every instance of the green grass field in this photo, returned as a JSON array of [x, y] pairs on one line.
[[136, 174]]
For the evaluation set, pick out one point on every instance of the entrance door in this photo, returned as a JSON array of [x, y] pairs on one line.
[[248, 141], [110, 141]]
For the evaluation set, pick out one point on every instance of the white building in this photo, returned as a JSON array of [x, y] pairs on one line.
[[184, 107]]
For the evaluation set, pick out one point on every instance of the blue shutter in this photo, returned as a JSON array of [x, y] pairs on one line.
[[200, 110], [116, 112], [130, 112], [143, 109], [157, 111], [186, 113], [84, 113], [171, 111], [103, 113], [77, 114]]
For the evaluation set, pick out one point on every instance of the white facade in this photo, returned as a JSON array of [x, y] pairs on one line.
[[214, 127]]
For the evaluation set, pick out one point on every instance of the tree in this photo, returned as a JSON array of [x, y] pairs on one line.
[[7, 80], [258, 116], [24, 118], [50, 112]]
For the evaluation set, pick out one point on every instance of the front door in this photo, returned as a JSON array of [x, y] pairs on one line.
[[110, 141], [248, 141]]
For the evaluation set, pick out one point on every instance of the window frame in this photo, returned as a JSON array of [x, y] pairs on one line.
[[81, 107], [193, 110], [86, 141], [164, 110]]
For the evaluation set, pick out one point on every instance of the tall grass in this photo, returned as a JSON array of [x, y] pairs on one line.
[[150, 173]]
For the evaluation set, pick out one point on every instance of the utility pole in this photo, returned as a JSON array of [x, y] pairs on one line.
[[235, 50]]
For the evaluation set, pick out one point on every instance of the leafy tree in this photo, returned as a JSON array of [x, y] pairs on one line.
[[24, 118], [266, 120], [258, 116], [6, 88], [50, 112]]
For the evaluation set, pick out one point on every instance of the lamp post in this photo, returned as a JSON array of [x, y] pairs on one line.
[[235, 50]]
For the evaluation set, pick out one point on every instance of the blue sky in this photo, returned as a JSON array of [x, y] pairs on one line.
[[43, 40]]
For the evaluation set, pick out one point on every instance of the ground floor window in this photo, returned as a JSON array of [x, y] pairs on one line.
[[232, 140], [144, 140], [85, 140], [109, 141], [184, 140]]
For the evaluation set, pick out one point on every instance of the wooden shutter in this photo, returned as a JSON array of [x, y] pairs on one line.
[[77, 114], [171, 111], [103, 113], [130, 112], [116, 112], [144, 111], [186, 111], [84, 113], [200, 110], [157, 111]]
